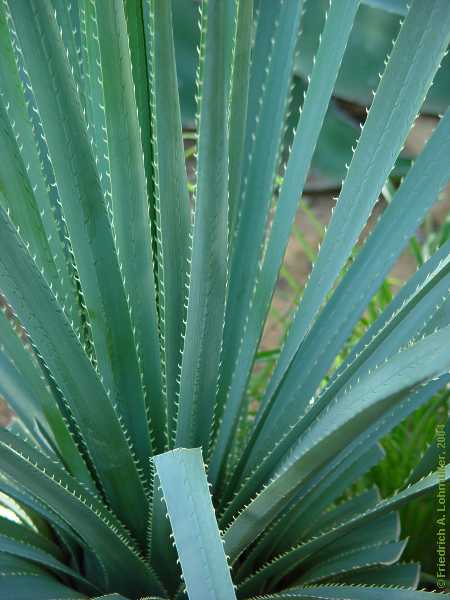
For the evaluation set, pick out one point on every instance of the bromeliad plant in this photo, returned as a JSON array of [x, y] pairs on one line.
[[142, 325]]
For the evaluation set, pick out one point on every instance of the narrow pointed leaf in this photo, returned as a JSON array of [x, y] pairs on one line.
[[401, 323], [286, 562], [349, 561], [39, 402], [350, 415], [83, 204], [92, 86], [59, 347], [172, 204], [400, 575], [335, 35], [18, 586], [14, 97], [420, 47], [258, 190], [426, 179], [131, 225], [94, 523], [346, 592], [208, 262], [196, 533], [238, 106]]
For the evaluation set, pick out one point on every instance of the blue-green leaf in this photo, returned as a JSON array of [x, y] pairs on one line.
[[208, 262], [196, 533], [93, 522], [335, 35], [247, 239], [49, 330], [350, 414], [172, 204], [128, 180], [83, 205], [420, 46], [286, 562]]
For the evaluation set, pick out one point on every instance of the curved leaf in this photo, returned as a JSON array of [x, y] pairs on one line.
[[351, 561], [285, 562], [351, 413], [420, 46], [83, 205], [330, 54], [18, 586], [93, 522], [37, 308]]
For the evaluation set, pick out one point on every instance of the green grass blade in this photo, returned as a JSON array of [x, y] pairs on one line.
[[196, 533], [420, 47], [208, 274], [172, 204]]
